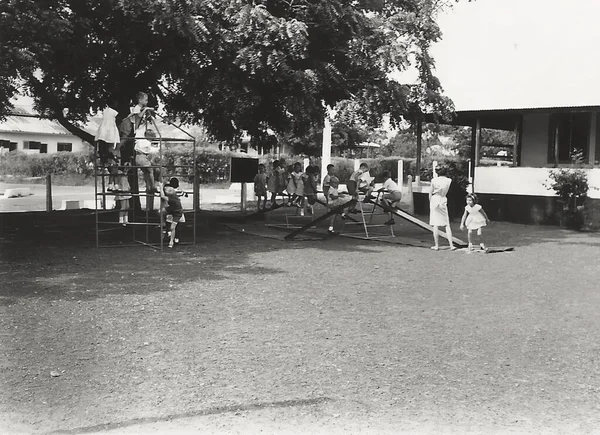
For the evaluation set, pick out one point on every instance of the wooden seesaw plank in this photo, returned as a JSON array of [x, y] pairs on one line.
[[418, 222], [312, 223]]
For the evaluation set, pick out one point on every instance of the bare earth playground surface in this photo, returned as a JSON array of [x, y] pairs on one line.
[[249, 334]]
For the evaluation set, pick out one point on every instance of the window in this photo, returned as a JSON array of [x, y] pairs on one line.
[[6, 144], [569, 132], [33, 145], [64, 146]]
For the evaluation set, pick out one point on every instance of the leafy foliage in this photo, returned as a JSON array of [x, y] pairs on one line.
[[235, 65]]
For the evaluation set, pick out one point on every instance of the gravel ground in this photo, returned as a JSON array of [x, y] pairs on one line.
[[242, 334]]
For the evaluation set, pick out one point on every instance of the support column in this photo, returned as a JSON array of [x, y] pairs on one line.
[[419, 150], [517, 147], [477, 142], [593, 135]]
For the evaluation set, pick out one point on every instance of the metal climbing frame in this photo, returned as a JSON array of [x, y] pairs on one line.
[[367, 212], [145, 228]]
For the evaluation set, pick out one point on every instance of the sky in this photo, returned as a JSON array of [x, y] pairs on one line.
[[498, 54]]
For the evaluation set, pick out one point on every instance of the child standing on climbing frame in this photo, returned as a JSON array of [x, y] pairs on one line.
[[475, 219], [174, 211], [260, 186], [123, 193]]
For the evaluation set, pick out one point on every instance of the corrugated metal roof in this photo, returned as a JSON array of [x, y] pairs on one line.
[[23, 122]]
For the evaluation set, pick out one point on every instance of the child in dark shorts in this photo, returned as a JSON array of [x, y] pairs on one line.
[[173, 209]]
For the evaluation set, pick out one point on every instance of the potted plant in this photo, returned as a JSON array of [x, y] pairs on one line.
[[571, 186]]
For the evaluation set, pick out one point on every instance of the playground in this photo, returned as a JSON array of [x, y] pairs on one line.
[[243, 333]]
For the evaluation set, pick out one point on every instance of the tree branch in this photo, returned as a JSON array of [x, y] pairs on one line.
[[73, 129]]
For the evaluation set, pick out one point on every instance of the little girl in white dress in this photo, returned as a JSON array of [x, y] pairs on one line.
[[475, 219]]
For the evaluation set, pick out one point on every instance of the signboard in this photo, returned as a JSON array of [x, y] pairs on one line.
[[243, 170]]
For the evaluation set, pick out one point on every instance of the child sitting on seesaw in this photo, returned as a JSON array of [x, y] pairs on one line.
[[392, 194], [475, 219], [361, 182], [335, 199]]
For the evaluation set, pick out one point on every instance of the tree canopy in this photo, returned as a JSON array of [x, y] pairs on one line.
[[234, 65]]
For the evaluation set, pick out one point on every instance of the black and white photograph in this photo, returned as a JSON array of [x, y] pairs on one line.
[[264, 217]]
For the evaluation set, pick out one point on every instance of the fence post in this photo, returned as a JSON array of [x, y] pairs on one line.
[[48, 192]]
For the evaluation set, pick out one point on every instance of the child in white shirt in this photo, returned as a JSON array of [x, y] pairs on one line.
[[392, 194]]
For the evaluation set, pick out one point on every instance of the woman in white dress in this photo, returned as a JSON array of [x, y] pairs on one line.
[[438, 208]]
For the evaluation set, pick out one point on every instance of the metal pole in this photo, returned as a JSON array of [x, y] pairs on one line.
[[48, 192], [243, 199]]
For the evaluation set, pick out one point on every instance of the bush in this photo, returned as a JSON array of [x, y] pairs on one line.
[[20, 164]]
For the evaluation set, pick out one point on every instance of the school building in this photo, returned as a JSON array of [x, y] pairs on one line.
[[24, 131], [546, 139]]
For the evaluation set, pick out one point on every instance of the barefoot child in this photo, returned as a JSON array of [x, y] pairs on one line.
[[273, 182], [310, 186], [260, 187], [334, 199], [123, 196], [475, 219], [174, 211]]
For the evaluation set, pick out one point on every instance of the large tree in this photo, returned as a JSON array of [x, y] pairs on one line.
[[234, 65]]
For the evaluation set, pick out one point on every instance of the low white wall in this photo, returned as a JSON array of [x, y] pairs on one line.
[[524, 181]]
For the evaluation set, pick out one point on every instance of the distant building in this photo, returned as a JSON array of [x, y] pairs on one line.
[[23, 130]]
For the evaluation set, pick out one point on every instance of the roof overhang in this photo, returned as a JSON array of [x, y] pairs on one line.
[[507, 119]]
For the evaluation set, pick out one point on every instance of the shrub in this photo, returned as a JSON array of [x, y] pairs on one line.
[[20, 164]]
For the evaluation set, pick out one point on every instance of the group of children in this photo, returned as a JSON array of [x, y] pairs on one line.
[[119, 149], [300, 186]]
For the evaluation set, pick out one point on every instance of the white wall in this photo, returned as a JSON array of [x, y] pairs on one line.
[[534, 146], [524, 181], [50, 139]]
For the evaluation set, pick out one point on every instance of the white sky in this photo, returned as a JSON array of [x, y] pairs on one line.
[[520, 53]]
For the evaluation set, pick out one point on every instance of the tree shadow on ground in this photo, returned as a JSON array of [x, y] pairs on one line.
[[55, 258]]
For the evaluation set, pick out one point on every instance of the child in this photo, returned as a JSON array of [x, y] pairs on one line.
[[326, 180], [334, 199], [260, 186], [143, 148], [272, 183], [310, 186], [296, 186], [360, 182], [392, 194], [122, 198], [140, 112], [107, 135], [174, 211], [475, 219]]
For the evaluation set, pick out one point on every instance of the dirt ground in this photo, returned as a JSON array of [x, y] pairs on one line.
[[244, 334]]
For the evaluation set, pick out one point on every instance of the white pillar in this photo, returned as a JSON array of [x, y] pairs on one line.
[[434, 164], [326, 149], [400, 172], [356, 164], [593, 135], [306, 163]]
